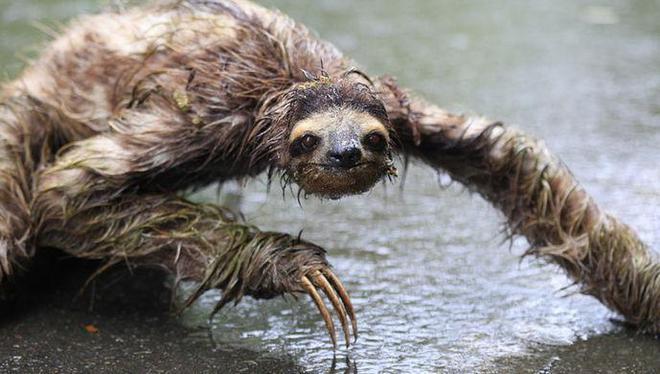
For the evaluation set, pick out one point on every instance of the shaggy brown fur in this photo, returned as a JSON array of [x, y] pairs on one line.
[[541, 200], [124, 110]]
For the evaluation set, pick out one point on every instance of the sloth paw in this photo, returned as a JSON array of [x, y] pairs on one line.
[[267, 265], [325, 280], [294, 266]]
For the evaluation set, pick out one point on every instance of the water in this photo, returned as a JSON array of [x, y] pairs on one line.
[[435, 289]]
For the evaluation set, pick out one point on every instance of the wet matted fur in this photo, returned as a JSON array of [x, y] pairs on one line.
[[126, 109]]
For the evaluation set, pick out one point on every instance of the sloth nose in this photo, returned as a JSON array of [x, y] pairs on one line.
[[345, 158]]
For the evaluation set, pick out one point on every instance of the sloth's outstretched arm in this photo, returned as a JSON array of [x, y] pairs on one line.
[[540, 198], [78, 213]]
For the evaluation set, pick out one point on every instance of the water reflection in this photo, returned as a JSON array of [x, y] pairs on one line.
[[350, 366]]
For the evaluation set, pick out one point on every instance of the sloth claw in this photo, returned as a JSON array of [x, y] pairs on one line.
[[329, 283], [341, 290], [311, 290], [322, 282]]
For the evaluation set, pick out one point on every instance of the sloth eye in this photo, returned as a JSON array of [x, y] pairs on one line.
[[308, 142], [305, 144], [375, 141]]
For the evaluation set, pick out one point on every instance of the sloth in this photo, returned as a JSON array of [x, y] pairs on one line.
[[124, 112]]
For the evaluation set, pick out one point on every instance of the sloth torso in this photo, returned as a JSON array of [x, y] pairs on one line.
[[204, 74]]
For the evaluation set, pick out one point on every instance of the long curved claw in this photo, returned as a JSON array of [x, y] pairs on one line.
[[339, 287], [311, 290], [323, 283]]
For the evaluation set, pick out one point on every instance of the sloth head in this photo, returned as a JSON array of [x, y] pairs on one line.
[[340, 138]]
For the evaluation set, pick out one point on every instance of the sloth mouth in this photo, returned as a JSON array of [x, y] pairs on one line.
[[331, 181], [335, 168]]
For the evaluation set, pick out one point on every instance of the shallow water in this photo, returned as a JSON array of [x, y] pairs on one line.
[[435, 289]]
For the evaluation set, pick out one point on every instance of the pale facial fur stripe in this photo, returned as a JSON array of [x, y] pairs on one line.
[[320, 123]]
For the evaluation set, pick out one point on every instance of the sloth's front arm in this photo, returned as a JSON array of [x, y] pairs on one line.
[[540, 198], [95, 202]]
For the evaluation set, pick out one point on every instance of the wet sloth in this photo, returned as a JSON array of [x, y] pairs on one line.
[[124, 110]]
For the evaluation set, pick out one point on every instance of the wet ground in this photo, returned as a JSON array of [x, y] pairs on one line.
[[123, 324], [435, 288]]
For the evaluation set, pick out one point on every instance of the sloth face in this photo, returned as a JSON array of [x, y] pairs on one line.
[[339, 151]]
